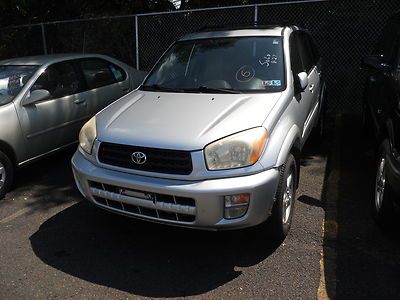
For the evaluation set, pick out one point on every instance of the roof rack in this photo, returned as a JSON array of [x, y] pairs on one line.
[[254, 25]]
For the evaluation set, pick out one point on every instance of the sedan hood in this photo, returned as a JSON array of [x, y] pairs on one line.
[[181, 121]]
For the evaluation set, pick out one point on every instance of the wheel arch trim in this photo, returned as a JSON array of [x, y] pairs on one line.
[[8, 150], [292, 141]]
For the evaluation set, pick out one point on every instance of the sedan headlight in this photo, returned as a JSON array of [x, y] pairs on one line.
[[236, 151], [87, 135]]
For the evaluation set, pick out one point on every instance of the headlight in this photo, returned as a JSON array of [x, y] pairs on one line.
[[236, 151], [87, 135]]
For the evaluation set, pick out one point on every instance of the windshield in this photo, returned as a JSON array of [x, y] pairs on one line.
[[241, 64], [12, 80]]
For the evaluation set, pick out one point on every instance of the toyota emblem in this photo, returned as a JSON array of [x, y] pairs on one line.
[[139, 158]]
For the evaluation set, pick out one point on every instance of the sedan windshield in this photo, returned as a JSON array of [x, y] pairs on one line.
[[221, 65], [12, 80]]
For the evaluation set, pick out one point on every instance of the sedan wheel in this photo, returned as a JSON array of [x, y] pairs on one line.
[[2, 175], [6, 174]]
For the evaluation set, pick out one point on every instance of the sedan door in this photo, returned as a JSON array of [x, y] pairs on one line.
[[106, 82], [54, 122]]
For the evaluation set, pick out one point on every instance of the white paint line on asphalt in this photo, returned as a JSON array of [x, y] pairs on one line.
[[15, 215], [322, 293]]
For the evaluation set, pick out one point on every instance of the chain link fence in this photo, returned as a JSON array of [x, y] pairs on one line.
[[21, 41], [344, 30], [162, 30], [114, 37]]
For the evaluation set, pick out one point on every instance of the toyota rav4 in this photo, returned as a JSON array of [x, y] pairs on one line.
[[213, 137]]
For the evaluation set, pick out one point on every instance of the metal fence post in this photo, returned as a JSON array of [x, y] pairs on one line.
[[44, 39], [255, 13], [137, 41]]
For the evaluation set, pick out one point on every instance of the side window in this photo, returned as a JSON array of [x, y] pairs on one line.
[[60, 80], [297, 65], [306, 52], [98, 73], [302, 53], [119, 73]]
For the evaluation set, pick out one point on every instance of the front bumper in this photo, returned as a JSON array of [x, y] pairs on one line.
[[196, 204]]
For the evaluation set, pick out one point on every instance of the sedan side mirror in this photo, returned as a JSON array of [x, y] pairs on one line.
[[301, 82], [374, 63], [36, 96]]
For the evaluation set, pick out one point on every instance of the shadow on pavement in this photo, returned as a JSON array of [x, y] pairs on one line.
[[46, 183], [142, 258], [361, 261], [366, 259], [147, 259], [310, 201]]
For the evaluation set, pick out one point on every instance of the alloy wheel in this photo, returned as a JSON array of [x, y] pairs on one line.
[[288, 198], [380, 184], [2, 175]]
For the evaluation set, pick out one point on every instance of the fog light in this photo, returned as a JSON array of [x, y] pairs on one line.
[[236, 206]]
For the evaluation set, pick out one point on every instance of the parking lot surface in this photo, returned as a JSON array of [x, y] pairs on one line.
[[53, 244]]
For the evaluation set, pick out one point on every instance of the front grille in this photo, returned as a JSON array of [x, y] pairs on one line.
[[143, 203], [157, 160]]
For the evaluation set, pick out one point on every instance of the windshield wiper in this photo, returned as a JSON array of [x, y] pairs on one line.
[[200, 89], [157, 87], [205, 89]]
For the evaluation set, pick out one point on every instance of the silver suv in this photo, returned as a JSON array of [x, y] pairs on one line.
[[212, 139]]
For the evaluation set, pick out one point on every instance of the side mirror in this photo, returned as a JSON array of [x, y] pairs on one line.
[[36, 96], [374, 63], [301, 82]]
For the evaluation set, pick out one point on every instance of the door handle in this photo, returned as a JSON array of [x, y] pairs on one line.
[[125, 89], [80, 101], [311, 88]]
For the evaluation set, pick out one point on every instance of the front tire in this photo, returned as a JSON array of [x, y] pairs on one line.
[[280, 221], [6, 174], [382, 206]]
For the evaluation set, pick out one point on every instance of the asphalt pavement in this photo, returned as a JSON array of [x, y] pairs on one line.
[[54, 244]]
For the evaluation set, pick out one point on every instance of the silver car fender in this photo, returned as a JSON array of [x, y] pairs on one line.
[[11, 138], [284, 135], [292, 140]]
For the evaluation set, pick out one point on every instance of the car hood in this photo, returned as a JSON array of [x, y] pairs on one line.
[[181, 121]]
